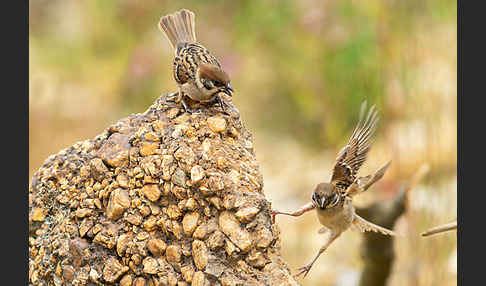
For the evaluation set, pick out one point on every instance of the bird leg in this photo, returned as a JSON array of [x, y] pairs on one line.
[[173, 97], [184, 104], [187, 109], [304, 270], [307, 207], [221, 103]]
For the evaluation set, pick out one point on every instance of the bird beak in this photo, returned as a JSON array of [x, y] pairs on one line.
[[228, 89], [228, 86], [323, 201]]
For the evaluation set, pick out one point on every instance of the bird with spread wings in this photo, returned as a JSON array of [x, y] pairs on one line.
[[333, 200]]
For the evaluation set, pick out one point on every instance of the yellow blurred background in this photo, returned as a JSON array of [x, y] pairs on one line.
[[301, 70]]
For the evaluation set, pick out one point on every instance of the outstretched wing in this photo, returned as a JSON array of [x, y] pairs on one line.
[[353, 155], [363, 225], [364, 183]]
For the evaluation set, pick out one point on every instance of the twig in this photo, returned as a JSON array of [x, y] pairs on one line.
[[440, 228]]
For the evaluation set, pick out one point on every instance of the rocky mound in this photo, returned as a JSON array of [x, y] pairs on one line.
[[159, 198]]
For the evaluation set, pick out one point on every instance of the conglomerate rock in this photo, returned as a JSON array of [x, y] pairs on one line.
[[159, 198]]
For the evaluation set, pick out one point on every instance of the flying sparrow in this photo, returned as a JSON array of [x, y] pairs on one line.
[[197, 72], [441, 228], [333, 201]]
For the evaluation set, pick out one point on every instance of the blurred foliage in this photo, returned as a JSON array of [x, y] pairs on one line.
[[317, 60], [301, 70]]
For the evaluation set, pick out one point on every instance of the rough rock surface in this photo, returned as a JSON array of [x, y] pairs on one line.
[[159, 198]]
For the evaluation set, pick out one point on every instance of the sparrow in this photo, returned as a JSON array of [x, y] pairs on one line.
[[333, 200], [441, 228], [197, 72]]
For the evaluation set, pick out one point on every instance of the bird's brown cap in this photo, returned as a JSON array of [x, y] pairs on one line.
[[213, 72]]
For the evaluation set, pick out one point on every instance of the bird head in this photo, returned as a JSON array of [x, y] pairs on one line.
[[211, 79], [325, 196]]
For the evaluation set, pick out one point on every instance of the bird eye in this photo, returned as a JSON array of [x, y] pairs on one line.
[[208, 84], [218, 83]]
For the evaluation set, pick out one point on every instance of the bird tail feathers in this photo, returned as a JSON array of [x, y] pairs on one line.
[[179, 27]]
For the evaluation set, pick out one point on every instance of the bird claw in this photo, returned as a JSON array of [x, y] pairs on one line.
[[226, 113], [274, 213], [189, 110], [220, 101], [303, 270], [186, 108], [193, 111], [173, 97], [196, 111]]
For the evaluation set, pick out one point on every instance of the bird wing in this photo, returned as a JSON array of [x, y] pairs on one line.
[[364, 183], [188, 58], [363, 225], [353, 155]]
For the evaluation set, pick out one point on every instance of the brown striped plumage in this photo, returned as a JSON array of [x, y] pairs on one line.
[[188, 58], [197, 72], [333, 200]]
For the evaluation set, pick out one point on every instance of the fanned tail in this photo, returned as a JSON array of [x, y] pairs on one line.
[[179, 27]]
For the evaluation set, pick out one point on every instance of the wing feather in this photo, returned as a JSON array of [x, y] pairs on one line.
[[364, 183], [364, 225], [353, 155]]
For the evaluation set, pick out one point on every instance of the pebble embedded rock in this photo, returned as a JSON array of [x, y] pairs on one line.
[[119, 201], [198, 279], [115, 150], [217, 123], [38, 214], [150, 265], [173, 253], [187, 273], [113, 270], [148, 148], [197, 174], [200, 254], [189, 223], [174, 212], [156, 246], [246, 214], [151, 191], [179, 178], [126, 280], [232, 228], [162, 197]]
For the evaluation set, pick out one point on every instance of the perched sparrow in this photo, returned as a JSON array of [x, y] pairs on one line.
[[441, 228], [333, 201], [197, 73]]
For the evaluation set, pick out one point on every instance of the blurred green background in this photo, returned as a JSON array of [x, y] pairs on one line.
[[301, 70]]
